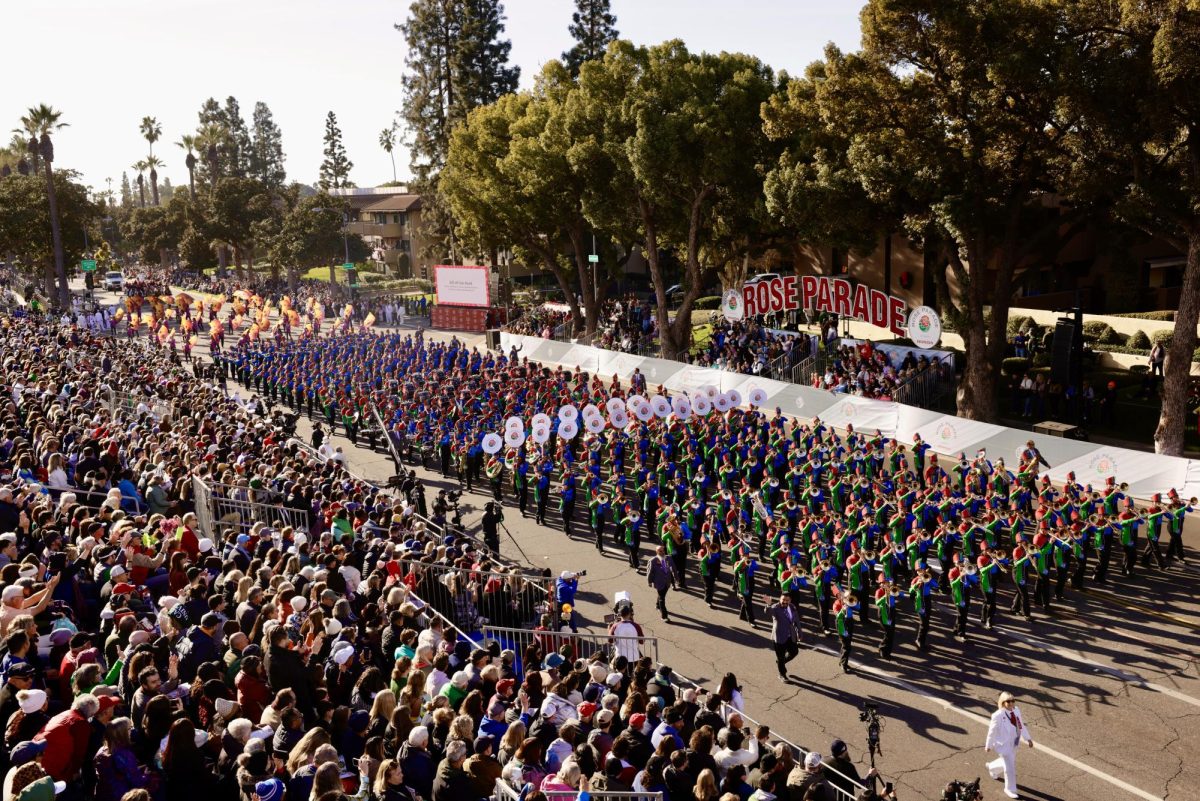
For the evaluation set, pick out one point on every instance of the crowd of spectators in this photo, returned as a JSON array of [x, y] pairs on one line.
[[867, 371], [538, 321], [746, 346], [145, 658]]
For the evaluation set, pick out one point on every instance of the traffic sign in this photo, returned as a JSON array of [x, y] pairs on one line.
[[594, 259], [88, 265], [348, 266]]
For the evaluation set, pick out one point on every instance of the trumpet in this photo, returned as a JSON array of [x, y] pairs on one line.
[[1192, 501], [1124, 485]]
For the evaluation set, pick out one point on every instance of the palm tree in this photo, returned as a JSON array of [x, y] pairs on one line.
[[44, 149], [151, 132], [38, 120], [387, 140], [154, 162], [208, 142], [141, 167], [188, 143]]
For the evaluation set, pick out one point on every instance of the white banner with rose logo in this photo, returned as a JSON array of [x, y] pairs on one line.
[[864, 414], [955, 435]]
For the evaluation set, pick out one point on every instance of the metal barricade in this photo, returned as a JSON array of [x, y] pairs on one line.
[[310, 453], [583, 644], [387, 435], [121, 404], [798, 752], [475, 599], [219, 507], [505, 792]]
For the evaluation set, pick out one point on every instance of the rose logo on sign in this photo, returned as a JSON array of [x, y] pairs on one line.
[[947, 432], [732, 305], [1103, 465], [924, 327]]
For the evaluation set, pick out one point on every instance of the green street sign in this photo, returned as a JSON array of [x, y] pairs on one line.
[[348, 266], [88, 265], [594, 259]]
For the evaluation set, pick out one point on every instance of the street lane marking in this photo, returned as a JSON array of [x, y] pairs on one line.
[[981, 720], [1130, 678]]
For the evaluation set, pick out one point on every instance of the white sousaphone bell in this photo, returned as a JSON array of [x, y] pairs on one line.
[[492, 443], [702, 405], [594, 424], [567, 429], [661, 406], [758, 396], [568, 413], [514, 437], [681, 406]]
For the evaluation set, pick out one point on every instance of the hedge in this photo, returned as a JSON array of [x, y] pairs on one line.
[[1111, 337], [1137, 351], [1015, 365], [1095, 329], [1138, 340], [707, 303], [1162, 338], [1161, 316], [1017, 324]]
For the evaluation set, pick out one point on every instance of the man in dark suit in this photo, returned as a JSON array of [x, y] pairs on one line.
[[785, 631]]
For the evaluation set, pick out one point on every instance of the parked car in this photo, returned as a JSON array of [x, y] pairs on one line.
[[760, 278]]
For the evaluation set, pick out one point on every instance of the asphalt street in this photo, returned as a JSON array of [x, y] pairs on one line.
[[1109, 683]]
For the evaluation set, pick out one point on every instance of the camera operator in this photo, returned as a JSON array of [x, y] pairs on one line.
[[843, 773], [493, 516], [565, 587]]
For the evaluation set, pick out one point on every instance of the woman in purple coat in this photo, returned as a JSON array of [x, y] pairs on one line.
[[117, 767]]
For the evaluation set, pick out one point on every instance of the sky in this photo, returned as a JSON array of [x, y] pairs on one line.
[[116, 61]]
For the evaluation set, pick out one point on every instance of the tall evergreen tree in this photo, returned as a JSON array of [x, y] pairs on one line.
[[126, 191], [266, 161], [593, 26], [335, 169], [456, 61], [239, 149]]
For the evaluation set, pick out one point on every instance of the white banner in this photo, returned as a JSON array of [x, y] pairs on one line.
[[954, 435], [461, 285], [864, 414]]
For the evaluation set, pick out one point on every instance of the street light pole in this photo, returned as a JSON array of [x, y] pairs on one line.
[[595, 269]]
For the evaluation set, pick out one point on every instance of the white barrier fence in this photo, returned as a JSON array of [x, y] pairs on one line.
[[1145, 473]]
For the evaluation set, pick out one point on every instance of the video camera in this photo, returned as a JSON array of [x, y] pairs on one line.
[[962, 791], [870, 716]]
